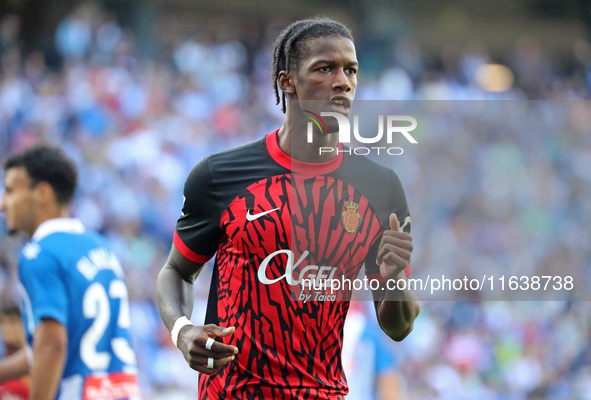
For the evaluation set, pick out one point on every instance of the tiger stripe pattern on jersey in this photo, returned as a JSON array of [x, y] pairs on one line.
[[283, 341]]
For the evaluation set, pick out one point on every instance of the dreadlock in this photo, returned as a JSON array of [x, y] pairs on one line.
[[290, 46]]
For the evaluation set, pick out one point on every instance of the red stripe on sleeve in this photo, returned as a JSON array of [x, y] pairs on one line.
[[187, 252]]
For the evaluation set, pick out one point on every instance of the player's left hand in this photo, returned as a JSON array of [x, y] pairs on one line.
[[394, 251]]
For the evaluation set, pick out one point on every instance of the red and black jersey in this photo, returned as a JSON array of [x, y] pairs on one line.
[[275, 223]]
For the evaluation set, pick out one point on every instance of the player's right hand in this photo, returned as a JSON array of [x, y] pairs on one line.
[[192, 341]]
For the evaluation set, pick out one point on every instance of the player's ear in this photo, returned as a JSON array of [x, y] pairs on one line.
[[285, 81], [44, 192]]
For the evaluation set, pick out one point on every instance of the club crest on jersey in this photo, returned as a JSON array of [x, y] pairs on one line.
[[350, 218]]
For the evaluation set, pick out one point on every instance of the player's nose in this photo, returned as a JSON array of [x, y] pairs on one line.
[[341, 81]]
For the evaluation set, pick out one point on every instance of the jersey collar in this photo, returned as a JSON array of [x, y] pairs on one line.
[[67, 225], [299, 166]]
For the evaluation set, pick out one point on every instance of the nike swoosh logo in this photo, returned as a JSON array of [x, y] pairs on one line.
[[252, 217]]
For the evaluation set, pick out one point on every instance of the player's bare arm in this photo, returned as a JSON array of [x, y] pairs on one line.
[[174, 292], [397, 309], [49, 358], [14, 366]]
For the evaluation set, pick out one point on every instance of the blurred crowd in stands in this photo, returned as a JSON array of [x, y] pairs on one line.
[[515, 196]]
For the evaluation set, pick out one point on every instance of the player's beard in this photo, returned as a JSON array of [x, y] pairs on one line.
[[12, 230]]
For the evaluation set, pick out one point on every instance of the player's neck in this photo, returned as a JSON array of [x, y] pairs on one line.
[[292, 140], [46, 214]]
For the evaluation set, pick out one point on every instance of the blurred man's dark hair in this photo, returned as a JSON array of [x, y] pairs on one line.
[[45, 163]]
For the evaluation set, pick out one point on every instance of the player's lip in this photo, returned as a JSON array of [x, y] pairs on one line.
[[340, 103]]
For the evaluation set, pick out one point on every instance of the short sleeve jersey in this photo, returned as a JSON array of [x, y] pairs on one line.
[[278, 224], [72, 277]]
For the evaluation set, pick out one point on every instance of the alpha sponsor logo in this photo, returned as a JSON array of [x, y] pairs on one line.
[[310, 274], [350, 218]]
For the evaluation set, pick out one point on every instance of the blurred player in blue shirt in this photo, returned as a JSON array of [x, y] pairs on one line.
[[74, 303], [372, 367]]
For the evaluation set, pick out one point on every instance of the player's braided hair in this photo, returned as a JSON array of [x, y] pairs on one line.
[[49, 164], [290, 46]]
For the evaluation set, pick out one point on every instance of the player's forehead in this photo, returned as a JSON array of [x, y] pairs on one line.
[[15, 177], [332, 48]]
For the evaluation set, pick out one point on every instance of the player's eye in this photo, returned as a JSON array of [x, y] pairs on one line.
[[324, 69], [351, 71]]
